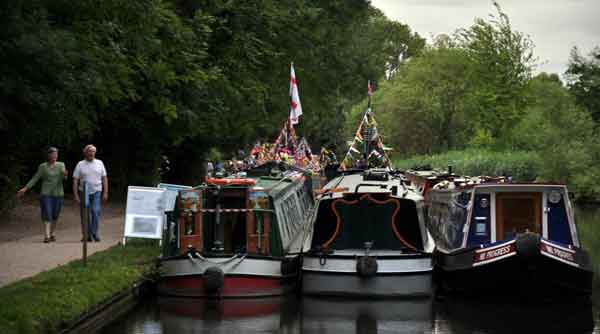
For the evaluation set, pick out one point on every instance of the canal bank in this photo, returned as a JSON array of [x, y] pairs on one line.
[[72, 296]]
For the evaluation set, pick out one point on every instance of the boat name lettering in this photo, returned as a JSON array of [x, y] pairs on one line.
[[490, 254], [559, 253]]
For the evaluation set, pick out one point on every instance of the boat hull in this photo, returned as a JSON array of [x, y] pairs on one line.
[[534, 268], [243, 278], [408, 276]]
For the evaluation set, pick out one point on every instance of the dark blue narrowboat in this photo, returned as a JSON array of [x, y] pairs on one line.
[[501, 238]]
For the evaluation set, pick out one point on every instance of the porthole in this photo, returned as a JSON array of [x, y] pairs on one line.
[[554, 196]]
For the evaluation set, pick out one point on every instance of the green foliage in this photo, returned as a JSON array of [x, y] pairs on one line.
[[215, 155], [589, 234], [42, 303], [502, 61], [521, 165], [473, 95], [563, 134], [583, 75], [482, 139], [421, 110], [142, 79]]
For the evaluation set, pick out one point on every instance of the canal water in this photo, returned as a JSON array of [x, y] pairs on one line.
[[292, 314]]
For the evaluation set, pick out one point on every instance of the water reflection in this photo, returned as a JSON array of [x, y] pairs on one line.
[[460, 316], [226, 316], [323, 315]]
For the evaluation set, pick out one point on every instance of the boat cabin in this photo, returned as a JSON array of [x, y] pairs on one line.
[[255, 216], [468, 216], [360, 211]]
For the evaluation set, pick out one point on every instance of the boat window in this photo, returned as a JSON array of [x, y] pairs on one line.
[[231, 230], [325, 224], [348, 223], [517, 213], [292, 208], [446, 215], [480, 227]]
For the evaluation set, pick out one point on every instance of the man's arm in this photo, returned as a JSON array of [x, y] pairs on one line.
[[76, 189], [76, 176], [105, 188]]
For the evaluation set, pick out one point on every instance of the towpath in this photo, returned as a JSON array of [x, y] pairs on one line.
[[23, 252]]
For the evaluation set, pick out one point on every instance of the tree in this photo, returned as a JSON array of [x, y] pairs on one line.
[[421, 110], [563, 134], [502, 65], [583, 80]]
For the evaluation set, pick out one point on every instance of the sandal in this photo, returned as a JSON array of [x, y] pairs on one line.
[[52, 238], [46, 240]]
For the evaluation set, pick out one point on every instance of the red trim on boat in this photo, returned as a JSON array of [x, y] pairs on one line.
[[234, 286]]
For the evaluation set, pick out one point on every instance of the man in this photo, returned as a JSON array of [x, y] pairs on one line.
[[90, 171]]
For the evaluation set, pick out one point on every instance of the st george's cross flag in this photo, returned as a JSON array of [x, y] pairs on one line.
[[295, 106]]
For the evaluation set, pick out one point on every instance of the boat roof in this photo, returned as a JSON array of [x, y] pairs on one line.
[[347, 184], [460, 185]]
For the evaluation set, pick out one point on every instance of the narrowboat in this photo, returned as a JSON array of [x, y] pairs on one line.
[[368, 239], [496, 237], [237, 237]]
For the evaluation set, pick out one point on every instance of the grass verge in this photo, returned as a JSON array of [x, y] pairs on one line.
[[47, 302]]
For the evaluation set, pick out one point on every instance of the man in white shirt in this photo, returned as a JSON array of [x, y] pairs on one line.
[[90, 171]]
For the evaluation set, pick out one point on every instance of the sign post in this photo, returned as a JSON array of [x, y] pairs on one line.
[[85, 221]]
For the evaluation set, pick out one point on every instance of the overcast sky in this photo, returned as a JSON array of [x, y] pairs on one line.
[[554, 26]]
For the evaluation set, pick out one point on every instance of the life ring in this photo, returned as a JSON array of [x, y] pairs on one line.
[[225, 182]]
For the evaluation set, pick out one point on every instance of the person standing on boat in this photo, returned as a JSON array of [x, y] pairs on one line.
[[92, 171], [210, 168], [52, 173]]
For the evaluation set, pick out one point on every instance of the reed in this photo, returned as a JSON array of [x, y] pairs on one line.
[[588, 225], [521, 165]]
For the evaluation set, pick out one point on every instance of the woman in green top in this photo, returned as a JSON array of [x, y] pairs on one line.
[[52, 173]]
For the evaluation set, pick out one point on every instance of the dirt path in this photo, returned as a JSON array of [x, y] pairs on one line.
[[23, 252]]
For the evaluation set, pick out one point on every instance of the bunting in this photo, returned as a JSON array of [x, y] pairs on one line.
[[366, 150]]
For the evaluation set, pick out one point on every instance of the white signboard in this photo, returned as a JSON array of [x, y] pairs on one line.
[[144, 216]]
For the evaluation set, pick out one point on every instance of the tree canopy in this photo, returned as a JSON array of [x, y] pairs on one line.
[[147, 78]]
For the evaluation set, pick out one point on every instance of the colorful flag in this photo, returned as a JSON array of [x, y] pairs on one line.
[[295, 106]]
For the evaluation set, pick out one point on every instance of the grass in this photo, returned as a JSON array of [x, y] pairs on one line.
[[521, 165], [46, 302]]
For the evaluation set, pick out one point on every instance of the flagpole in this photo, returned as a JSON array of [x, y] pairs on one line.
[[367, 146], [369, 92]]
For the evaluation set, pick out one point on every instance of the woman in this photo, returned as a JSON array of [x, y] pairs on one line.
[[52, 174]]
